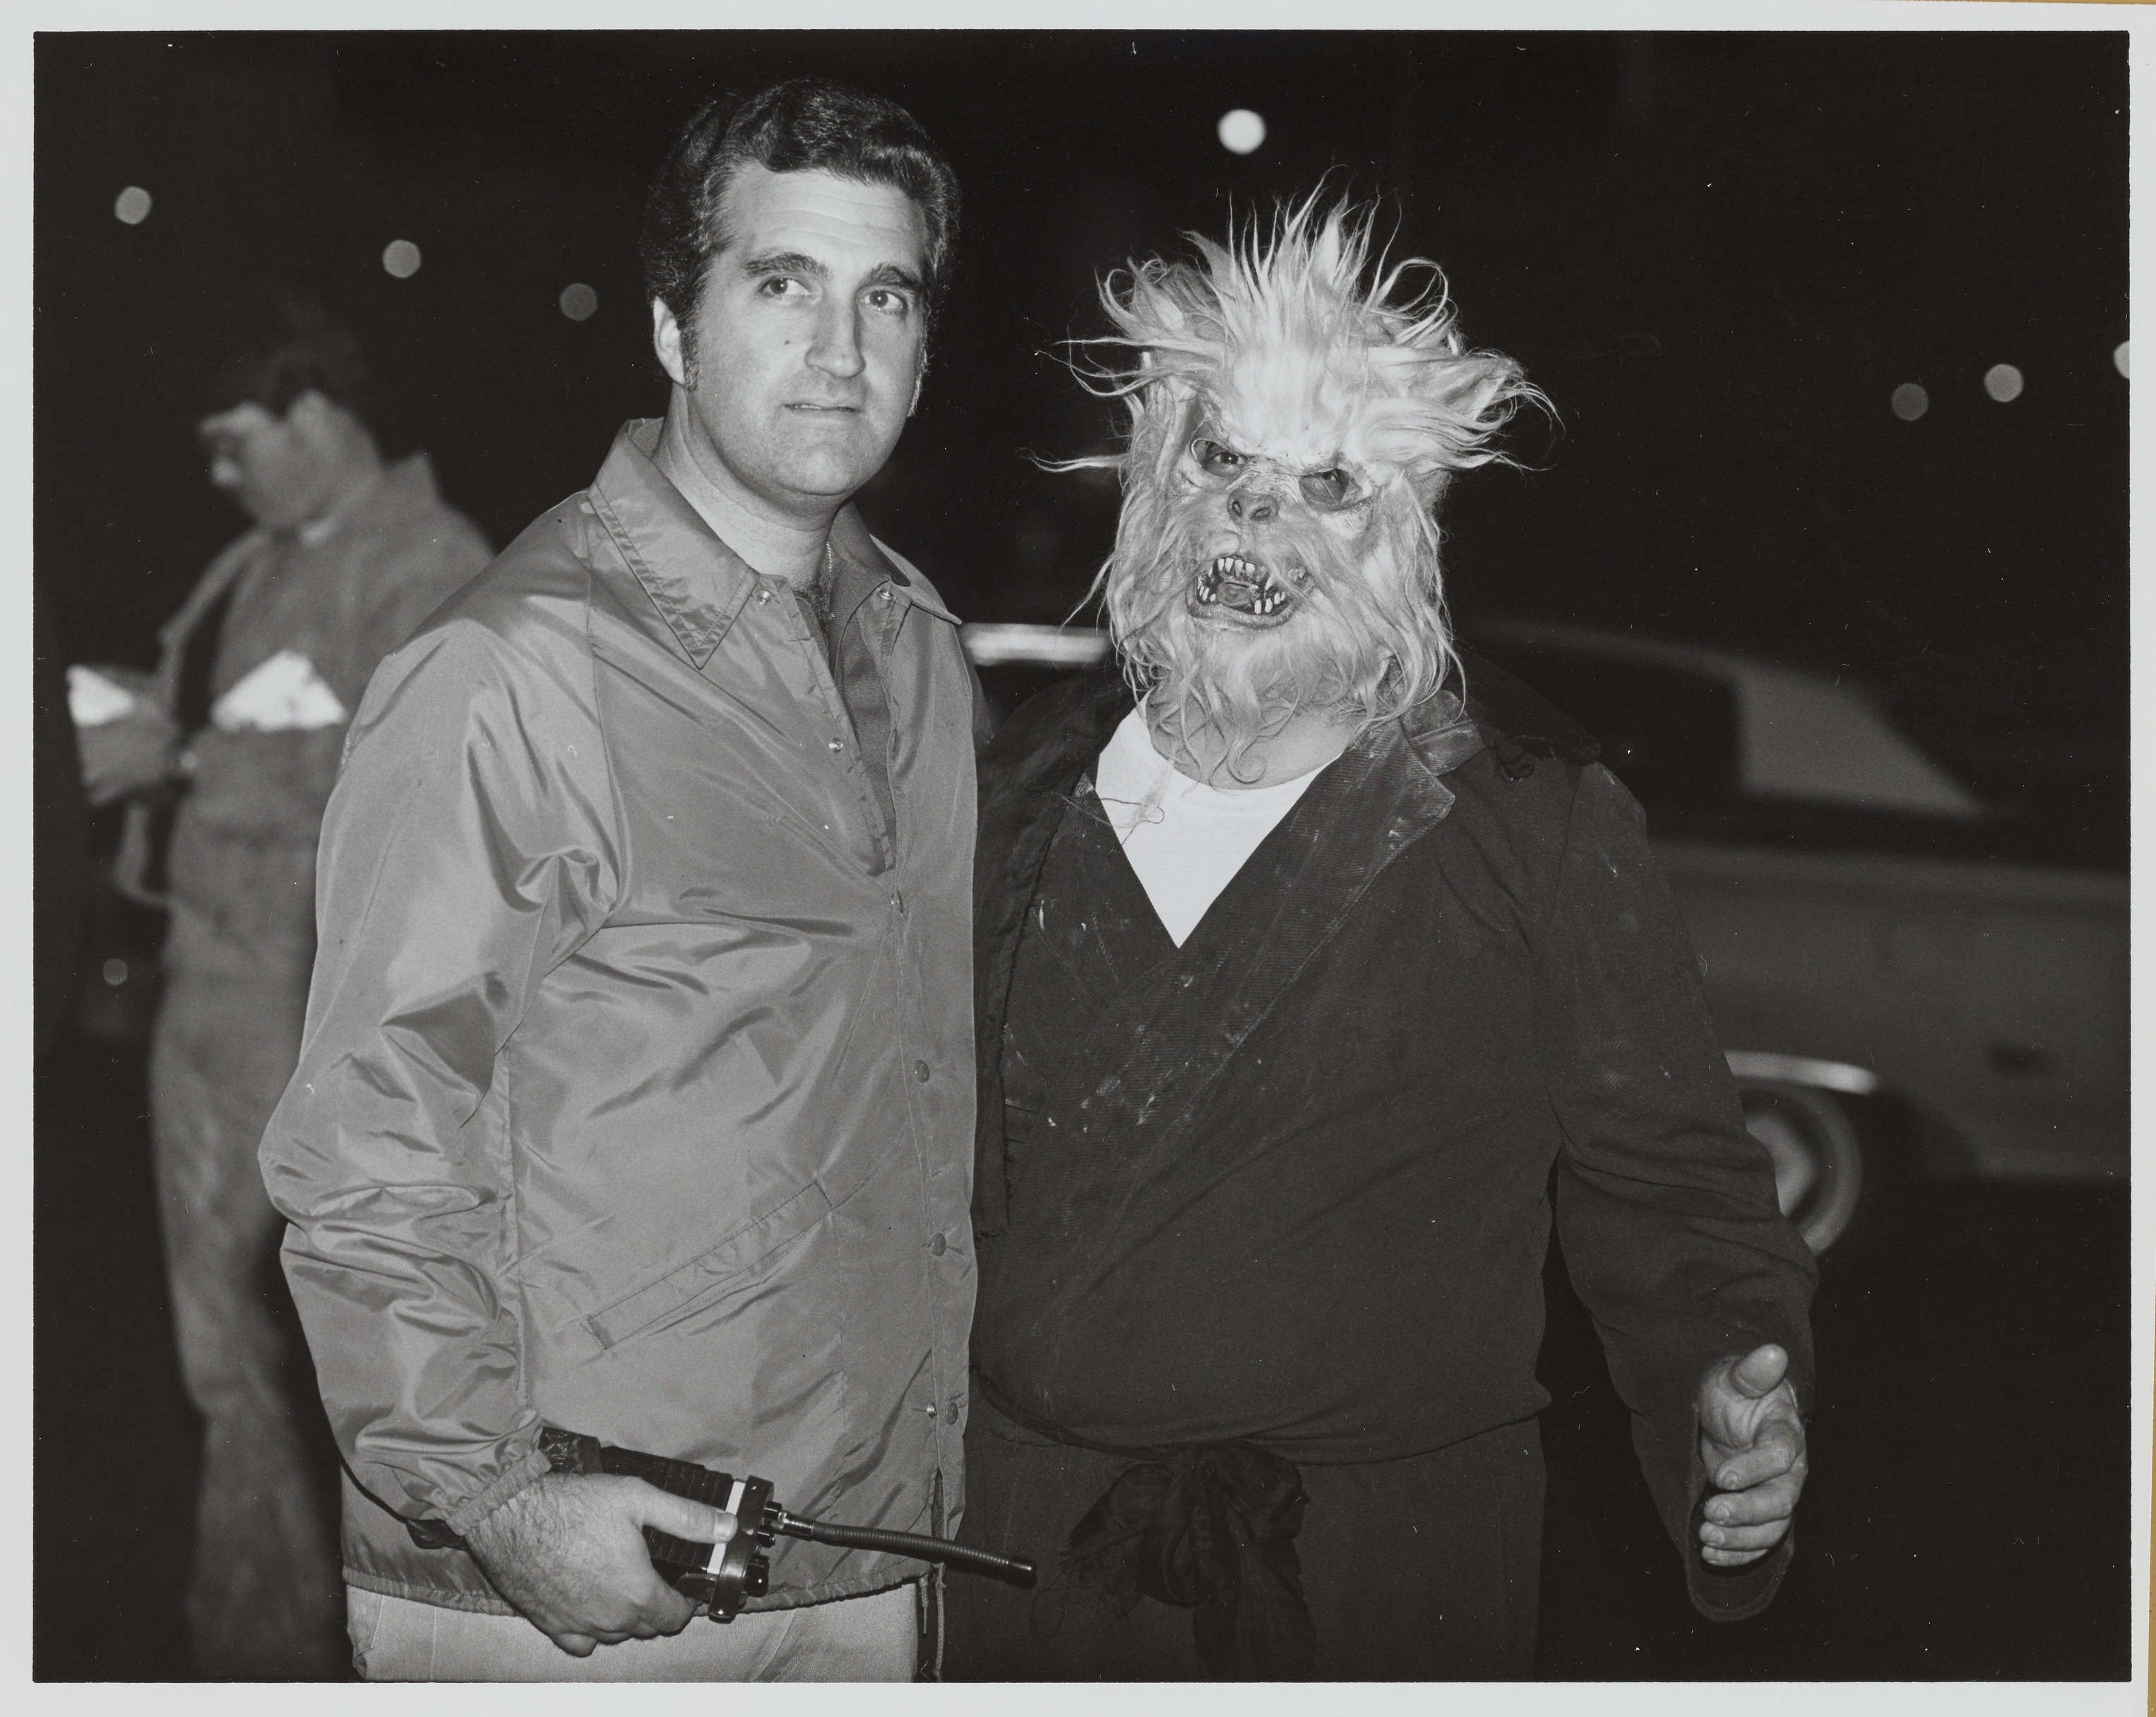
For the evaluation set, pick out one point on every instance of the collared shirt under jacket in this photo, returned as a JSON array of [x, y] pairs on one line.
[[637, 1092]]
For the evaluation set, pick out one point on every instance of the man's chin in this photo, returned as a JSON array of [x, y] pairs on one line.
[[830, 465]]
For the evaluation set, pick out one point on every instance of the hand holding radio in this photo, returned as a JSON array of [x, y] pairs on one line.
[[569, 1551]]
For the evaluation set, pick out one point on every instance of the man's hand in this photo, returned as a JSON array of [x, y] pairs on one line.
[[568, 1551], [1753, 1444], [131, 754]]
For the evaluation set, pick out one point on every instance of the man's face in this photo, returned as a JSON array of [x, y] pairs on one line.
[[808, 337], [272, 466]]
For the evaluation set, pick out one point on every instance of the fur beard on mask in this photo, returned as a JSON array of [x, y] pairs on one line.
[[1368, 640]]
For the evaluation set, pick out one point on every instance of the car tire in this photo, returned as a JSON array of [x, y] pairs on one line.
[[1818, 1155]]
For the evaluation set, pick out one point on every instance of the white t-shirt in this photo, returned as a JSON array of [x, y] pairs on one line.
[[1185, 840]]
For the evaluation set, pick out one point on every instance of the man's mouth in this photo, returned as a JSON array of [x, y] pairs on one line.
[[1243, 587]]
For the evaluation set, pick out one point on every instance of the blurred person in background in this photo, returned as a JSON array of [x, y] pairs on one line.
[[226, 755], [60, 895]]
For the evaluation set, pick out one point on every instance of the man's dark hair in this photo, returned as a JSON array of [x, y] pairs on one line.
[[272, 343], [800, 126]]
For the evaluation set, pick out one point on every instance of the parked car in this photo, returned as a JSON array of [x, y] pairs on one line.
[[1878, 940]]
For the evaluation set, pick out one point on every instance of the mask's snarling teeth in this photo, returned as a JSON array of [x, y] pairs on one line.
[[1230, 581]]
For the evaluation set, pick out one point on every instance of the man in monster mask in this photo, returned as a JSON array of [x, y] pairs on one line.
[[1306, 951]]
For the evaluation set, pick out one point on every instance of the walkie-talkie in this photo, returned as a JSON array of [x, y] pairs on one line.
[[723, 1575]]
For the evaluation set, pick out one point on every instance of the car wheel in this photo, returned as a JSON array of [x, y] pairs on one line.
[[1819, 1161]]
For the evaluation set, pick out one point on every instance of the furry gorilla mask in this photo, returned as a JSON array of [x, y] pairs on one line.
[[1292, 429]]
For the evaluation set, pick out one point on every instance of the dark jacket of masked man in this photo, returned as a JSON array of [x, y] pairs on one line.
[[1263, 1218]]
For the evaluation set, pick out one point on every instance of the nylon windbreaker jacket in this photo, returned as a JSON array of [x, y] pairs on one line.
[[636, 1094]]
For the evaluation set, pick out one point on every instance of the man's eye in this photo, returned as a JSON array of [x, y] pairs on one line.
[[1220, 461], [895, 303], [1328, 489], [779, 286]]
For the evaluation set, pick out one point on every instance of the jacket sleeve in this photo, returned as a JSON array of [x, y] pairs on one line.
[[467, 850], [1665, 1204]]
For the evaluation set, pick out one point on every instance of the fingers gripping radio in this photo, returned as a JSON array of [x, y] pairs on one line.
[[723, 1576]]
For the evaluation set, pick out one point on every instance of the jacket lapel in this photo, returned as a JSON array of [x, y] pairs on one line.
[[1027, 775], [1134, 1086]]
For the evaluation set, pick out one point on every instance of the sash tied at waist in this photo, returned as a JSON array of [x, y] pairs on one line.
[[1210, 1527]]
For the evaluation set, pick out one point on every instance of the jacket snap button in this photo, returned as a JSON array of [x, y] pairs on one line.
[[938, 1245], [930, 1409], [835, 744], [921, 1071], [898, 902]]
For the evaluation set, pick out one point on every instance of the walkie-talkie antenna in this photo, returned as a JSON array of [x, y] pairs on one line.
[[1018, 1570]]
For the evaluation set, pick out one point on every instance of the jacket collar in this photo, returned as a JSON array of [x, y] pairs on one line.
[[697, 583], [397, 489], [403, 487], [1133, 1089], [1426, 744]]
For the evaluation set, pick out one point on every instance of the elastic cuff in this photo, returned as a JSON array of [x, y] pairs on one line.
[[466, 1515]]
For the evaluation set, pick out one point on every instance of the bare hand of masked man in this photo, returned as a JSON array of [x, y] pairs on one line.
[[1752, 1442], [568, 1551]]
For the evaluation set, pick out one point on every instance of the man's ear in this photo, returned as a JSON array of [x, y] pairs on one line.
[[317, 421], [311, 412], [666, 342]]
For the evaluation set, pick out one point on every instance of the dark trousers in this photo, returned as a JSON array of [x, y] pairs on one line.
[[1419, 1570]]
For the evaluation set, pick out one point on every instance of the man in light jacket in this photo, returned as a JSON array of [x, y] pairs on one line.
[[636, 1099]]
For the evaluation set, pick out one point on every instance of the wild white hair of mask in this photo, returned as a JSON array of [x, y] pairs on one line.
[[1296, 414]]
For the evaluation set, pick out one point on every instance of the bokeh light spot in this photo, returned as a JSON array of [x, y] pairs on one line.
[[1910, 402], [2003, 382], [578, 301], [132, 205], [115, 971], [1241, 130], [401, 257], [2119, 357]]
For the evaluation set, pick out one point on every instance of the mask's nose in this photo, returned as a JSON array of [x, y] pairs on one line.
[[1252, 508]]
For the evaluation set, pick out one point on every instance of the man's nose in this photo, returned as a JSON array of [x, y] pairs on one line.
[[1253, 509], [836, 350]]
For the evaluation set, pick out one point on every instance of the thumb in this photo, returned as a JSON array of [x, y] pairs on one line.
[[1760, 1372], [700, 1522]]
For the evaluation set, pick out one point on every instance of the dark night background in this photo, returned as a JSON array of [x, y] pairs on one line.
[[1718, 254]]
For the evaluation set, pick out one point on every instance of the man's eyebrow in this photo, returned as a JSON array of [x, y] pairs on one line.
[[784, 262], [894, 274]]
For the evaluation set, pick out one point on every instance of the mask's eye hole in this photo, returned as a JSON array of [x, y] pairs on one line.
[[1328, 489], [1216, 459]]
